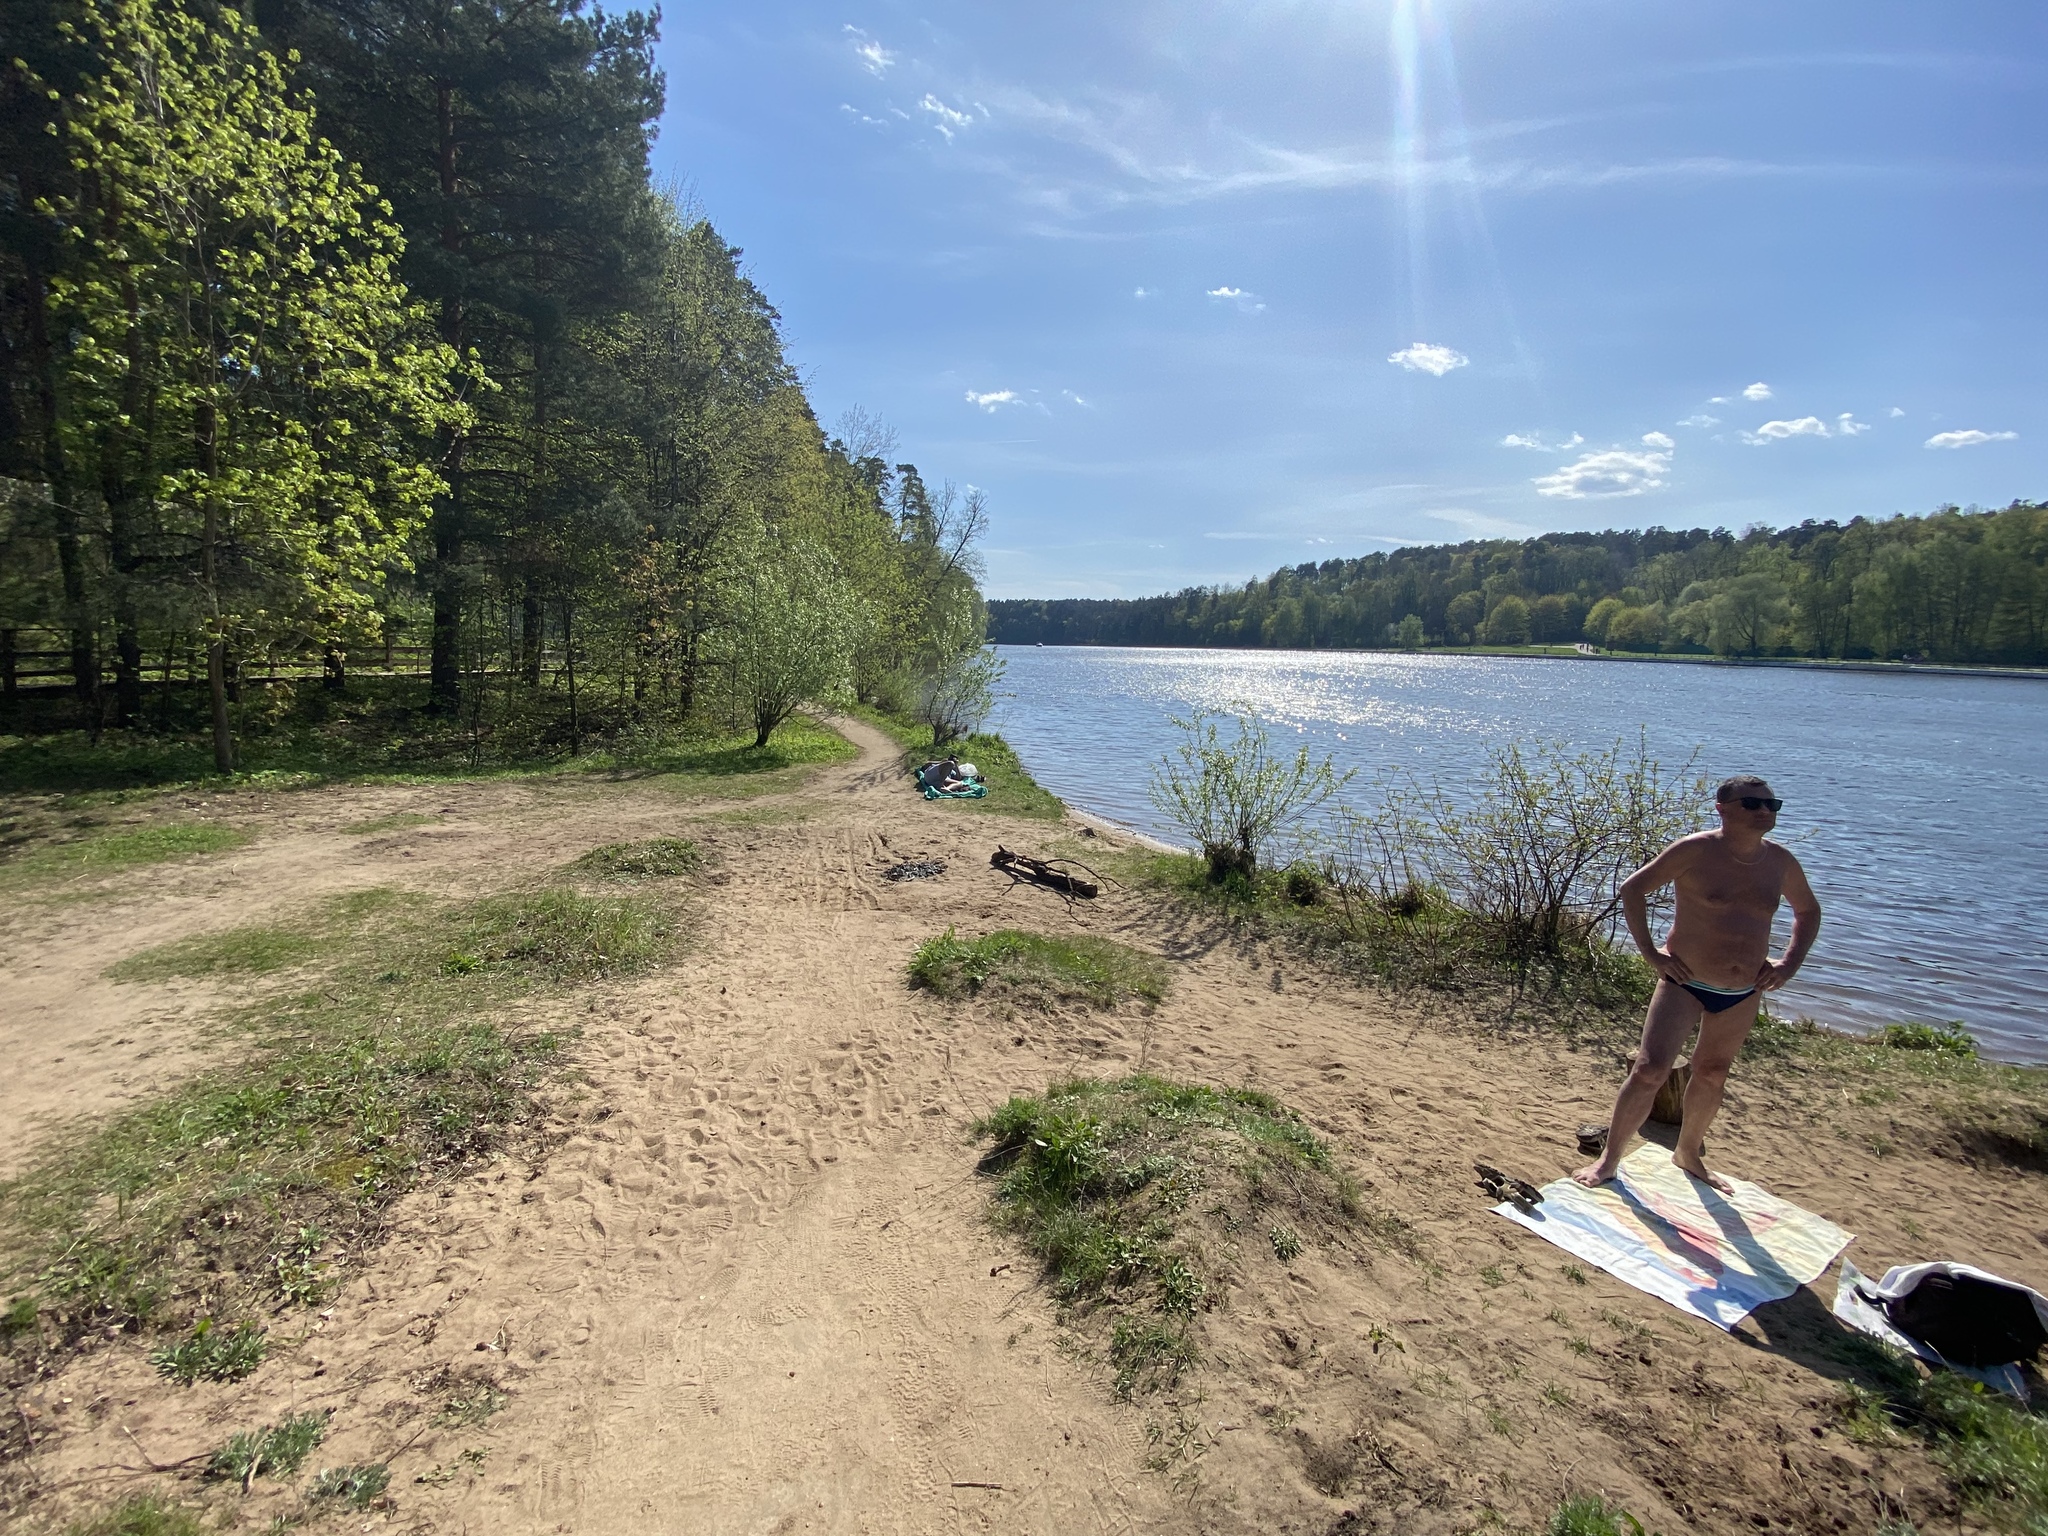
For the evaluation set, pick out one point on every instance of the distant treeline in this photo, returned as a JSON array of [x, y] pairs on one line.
[[1954, 586]]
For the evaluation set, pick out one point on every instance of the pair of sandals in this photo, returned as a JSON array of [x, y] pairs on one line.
[[1503, 1186]]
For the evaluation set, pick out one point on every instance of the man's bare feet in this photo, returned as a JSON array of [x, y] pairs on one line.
[[1696, 1165], [1593, 1175]]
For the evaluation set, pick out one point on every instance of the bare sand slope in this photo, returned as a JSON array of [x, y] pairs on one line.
[[751, 1289]]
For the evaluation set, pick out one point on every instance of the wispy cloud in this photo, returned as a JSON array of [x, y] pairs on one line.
[[1895, 413], [1534, 440], [874, 58], [1599, 476], [1969, 438], [1068, 394], [1757, 391], [1700, 419], [1482, 525], [1658, 440], [1428, 357], [1239, 534], [1846, 425], [994, 400], [1249, 302], [947, 120], [1778, 431], [861, 117], [1141, 293]]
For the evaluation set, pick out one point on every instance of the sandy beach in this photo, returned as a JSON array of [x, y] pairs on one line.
[[744, 1282]]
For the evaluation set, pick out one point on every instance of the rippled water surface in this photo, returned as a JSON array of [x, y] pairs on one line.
[[1919, 804]]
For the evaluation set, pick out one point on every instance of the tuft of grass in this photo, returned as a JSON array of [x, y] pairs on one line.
[[1946, 1039], [105, 850], [397, 821], [1099, 1179], [1591, 1515], [382, 1071], [144, 1514], [562, 933], [471, 1404], [1285, 1240], [358, 1487], [1035, 967], [275, 1451], [654, 859], [212, 1353]]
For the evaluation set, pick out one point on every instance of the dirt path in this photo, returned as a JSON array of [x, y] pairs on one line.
[[751, 1289]]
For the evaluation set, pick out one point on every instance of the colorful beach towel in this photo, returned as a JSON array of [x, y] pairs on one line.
[[1716, 1256]]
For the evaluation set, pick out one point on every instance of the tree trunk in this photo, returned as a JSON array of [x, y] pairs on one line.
[[532, 635], [333, 669], [444, 666], [569, 664]]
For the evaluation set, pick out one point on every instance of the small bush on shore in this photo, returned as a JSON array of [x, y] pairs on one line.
[[1946, 1039], [1136, 1195], [1033, 967]]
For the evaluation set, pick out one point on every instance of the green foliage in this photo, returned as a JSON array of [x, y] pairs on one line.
[[380, 1072], [142, 1514], [1952, 586], [788, 629], [276, 1451], [562, 933], [1946, 1039], [108, 849], [1128, 1193], [1034, 966], [1235, 797], [958, 694], [212, 1353], [357, 1487], [1591, 1515], [654, 859], [397, 821]]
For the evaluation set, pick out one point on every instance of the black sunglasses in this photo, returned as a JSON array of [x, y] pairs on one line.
[[1759, 803]]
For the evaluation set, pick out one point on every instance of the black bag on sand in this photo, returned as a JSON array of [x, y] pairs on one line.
[[1971, 1319]]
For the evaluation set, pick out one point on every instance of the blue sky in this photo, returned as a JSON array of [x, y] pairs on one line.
[[1198, 290]]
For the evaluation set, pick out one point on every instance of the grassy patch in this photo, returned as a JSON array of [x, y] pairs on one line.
[[1143, 1199], [355, 1487], [275, 1450], [1591, 1515], [1034, 967], [143, 1514], [212, 1353], [397, 821], [654, 859], [258, 949], [1011, 790], [106, 850], [255, 1184], [1945, 1039]]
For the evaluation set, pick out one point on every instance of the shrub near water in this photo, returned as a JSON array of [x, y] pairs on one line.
[[1033, 966], [1143, 1198]]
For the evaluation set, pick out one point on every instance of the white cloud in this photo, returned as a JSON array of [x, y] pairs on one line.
[[995, 399], [948, 121], [1249, 302], [1657, 440], [1616, 472], [1535, 440], [1895, 413], [1142, 293], [1070, 395], [1428, 357], [860, 116], [874, 58], [1969, 438], [1701, 419], [1846, 425], [1778, 431], [1717, 400], [1757, 391]]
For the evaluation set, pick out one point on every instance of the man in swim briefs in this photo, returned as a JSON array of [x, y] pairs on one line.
[[1713, 967]]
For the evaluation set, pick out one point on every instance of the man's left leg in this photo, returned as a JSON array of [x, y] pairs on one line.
[[1721, 1037]]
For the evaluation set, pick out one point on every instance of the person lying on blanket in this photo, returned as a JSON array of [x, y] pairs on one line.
[[1713, 967]]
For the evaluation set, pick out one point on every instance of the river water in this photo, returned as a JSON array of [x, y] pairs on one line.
[[1918, 804]]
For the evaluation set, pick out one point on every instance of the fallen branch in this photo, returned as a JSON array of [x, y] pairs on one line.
[[1021, 866]]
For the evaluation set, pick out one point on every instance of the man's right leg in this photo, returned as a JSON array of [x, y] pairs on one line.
[[1673, 1013]]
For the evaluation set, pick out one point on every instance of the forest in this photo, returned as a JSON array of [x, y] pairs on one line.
[[1956, 586], [348, 349]]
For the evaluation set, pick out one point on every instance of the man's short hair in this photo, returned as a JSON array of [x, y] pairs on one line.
[[1741, 784]]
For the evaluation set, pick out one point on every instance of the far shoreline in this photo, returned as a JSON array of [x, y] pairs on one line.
[[1568, 653]]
